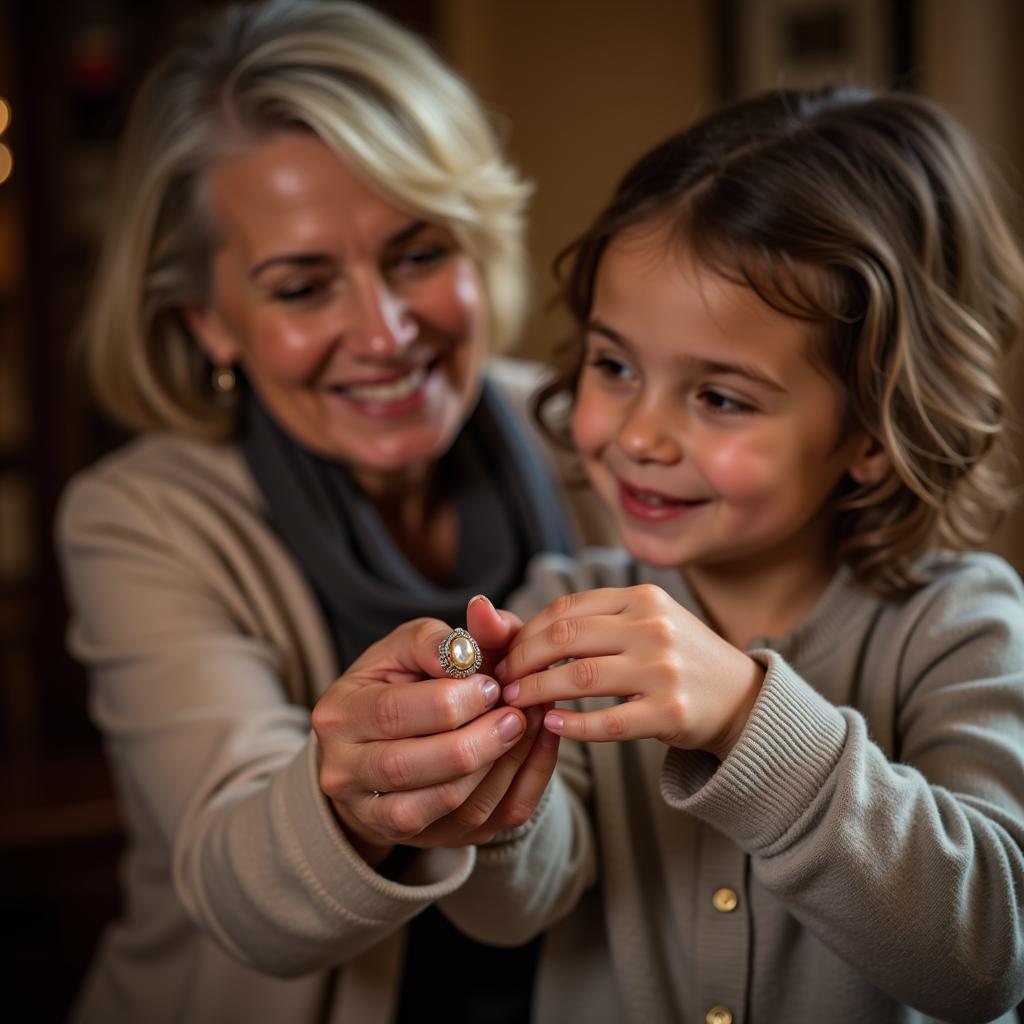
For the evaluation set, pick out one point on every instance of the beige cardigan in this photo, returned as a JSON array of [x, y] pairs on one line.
[[206, 650]]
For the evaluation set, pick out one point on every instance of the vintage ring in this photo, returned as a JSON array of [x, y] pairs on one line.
[[460, 654]]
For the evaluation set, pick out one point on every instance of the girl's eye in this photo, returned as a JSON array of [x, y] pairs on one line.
[[718, 402], [610, 367]]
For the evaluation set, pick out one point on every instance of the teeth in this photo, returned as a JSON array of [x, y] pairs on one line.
[[392, 391], [653, 499]]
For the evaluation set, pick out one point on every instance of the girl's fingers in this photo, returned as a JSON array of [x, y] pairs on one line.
[[627, 721], [603, 601], [407, 764], [605, 676], [588, 636]]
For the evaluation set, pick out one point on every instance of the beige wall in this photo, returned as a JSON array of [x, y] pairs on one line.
[[585, 86], [970, 61]]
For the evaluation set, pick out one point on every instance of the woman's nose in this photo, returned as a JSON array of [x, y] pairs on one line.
[[382, 325], [646, 435]]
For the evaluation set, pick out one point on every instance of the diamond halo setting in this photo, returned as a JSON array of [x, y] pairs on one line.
[[460, 654]]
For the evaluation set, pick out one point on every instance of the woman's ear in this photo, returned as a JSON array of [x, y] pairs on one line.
[[211, 334], [870, 463]]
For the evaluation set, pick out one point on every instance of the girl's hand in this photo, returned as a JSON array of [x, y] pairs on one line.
[[684, 684], [409, 756]]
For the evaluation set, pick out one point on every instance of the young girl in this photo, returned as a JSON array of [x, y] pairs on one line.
[[802, 710]]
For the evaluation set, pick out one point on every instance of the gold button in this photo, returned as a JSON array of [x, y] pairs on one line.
[[725, 900], [719, 1015]]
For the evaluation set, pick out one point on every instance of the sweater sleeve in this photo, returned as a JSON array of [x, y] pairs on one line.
[[530, 877], [217, 768], [911, 870]]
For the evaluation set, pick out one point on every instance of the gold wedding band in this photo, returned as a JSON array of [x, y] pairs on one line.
[[460, 654]]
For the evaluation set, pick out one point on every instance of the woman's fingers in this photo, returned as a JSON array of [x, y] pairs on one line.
[[529, 783], [406, 764], [408, 652], [474, 819], [406, 815], [384, 711], [492, 628], [472, 808]]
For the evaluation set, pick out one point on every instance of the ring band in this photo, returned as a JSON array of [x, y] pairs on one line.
[[460, 654]]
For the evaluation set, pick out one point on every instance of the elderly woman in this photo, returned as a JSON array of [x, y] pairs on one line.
[[313, 246]]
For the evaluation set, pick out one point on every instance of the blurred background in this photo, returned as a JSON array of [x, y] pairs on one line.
[[579, 89]]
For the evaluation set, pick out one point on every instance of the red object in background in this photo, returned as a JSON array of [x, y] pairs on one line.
[[96, 64]]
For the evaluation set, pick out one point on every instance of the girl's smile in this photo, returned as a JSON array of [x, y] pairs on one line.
[[702, 421], [653, 506]]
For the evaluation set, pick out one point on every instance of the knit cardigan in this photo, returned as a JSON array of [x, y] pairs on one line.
[[857, 857], [206, 650]]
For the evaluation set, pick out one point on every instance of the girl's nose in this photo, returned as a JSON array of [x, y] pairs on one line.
[[646, 437], [382, 326]]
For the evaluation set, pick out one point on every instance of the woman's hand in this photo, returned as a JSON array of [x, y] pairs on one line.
[[684, 684], [411, 757]]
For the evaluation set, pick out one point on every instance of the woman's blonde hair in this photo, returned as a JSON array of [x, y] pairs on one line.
[[873, 216], [373, 92]]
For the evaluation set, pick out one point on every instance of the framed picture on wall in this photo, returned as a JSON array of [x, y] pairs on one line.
[[768, 44]]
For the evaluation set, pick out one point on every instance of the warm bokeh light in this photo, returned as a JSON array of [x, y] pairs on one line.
[[6, 163], [5, 115]]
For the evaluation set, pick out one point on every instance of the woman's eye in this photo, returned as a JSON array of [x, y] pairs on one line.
[[301, 291], [418, 258], [719, 402]]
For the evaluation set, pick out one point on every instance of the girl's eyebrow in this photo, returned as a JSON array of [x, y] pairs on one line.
[[751, 373], [310, 259]]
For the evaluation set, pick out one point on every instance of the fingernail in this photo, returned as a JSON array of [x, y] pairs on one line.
[[490, 691], [554, 722], [511, 692], [477, 597], [510, 728]]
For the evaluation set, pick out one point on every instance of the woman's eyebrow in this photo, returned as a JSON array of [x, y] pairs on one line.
[[309, 259], [293, 259], [404, 234]]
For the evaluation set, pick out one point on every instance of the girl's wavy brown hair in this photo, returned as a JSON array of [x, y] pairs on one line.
[[874, 216]]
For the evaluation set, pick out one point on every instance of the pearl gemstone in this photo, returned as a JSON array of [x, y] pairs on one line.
[[461, 652]]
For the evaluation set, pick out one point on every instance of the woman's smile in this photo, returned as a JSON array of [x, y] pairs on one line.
[[362, 328]]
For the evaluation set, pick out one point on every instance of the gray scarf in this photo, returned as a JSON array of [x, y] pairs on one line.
[[504, 497]]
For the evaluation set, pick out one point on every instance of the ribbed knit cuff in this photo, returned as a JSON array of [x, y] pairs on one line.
[[338, 868], [786, 752]]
